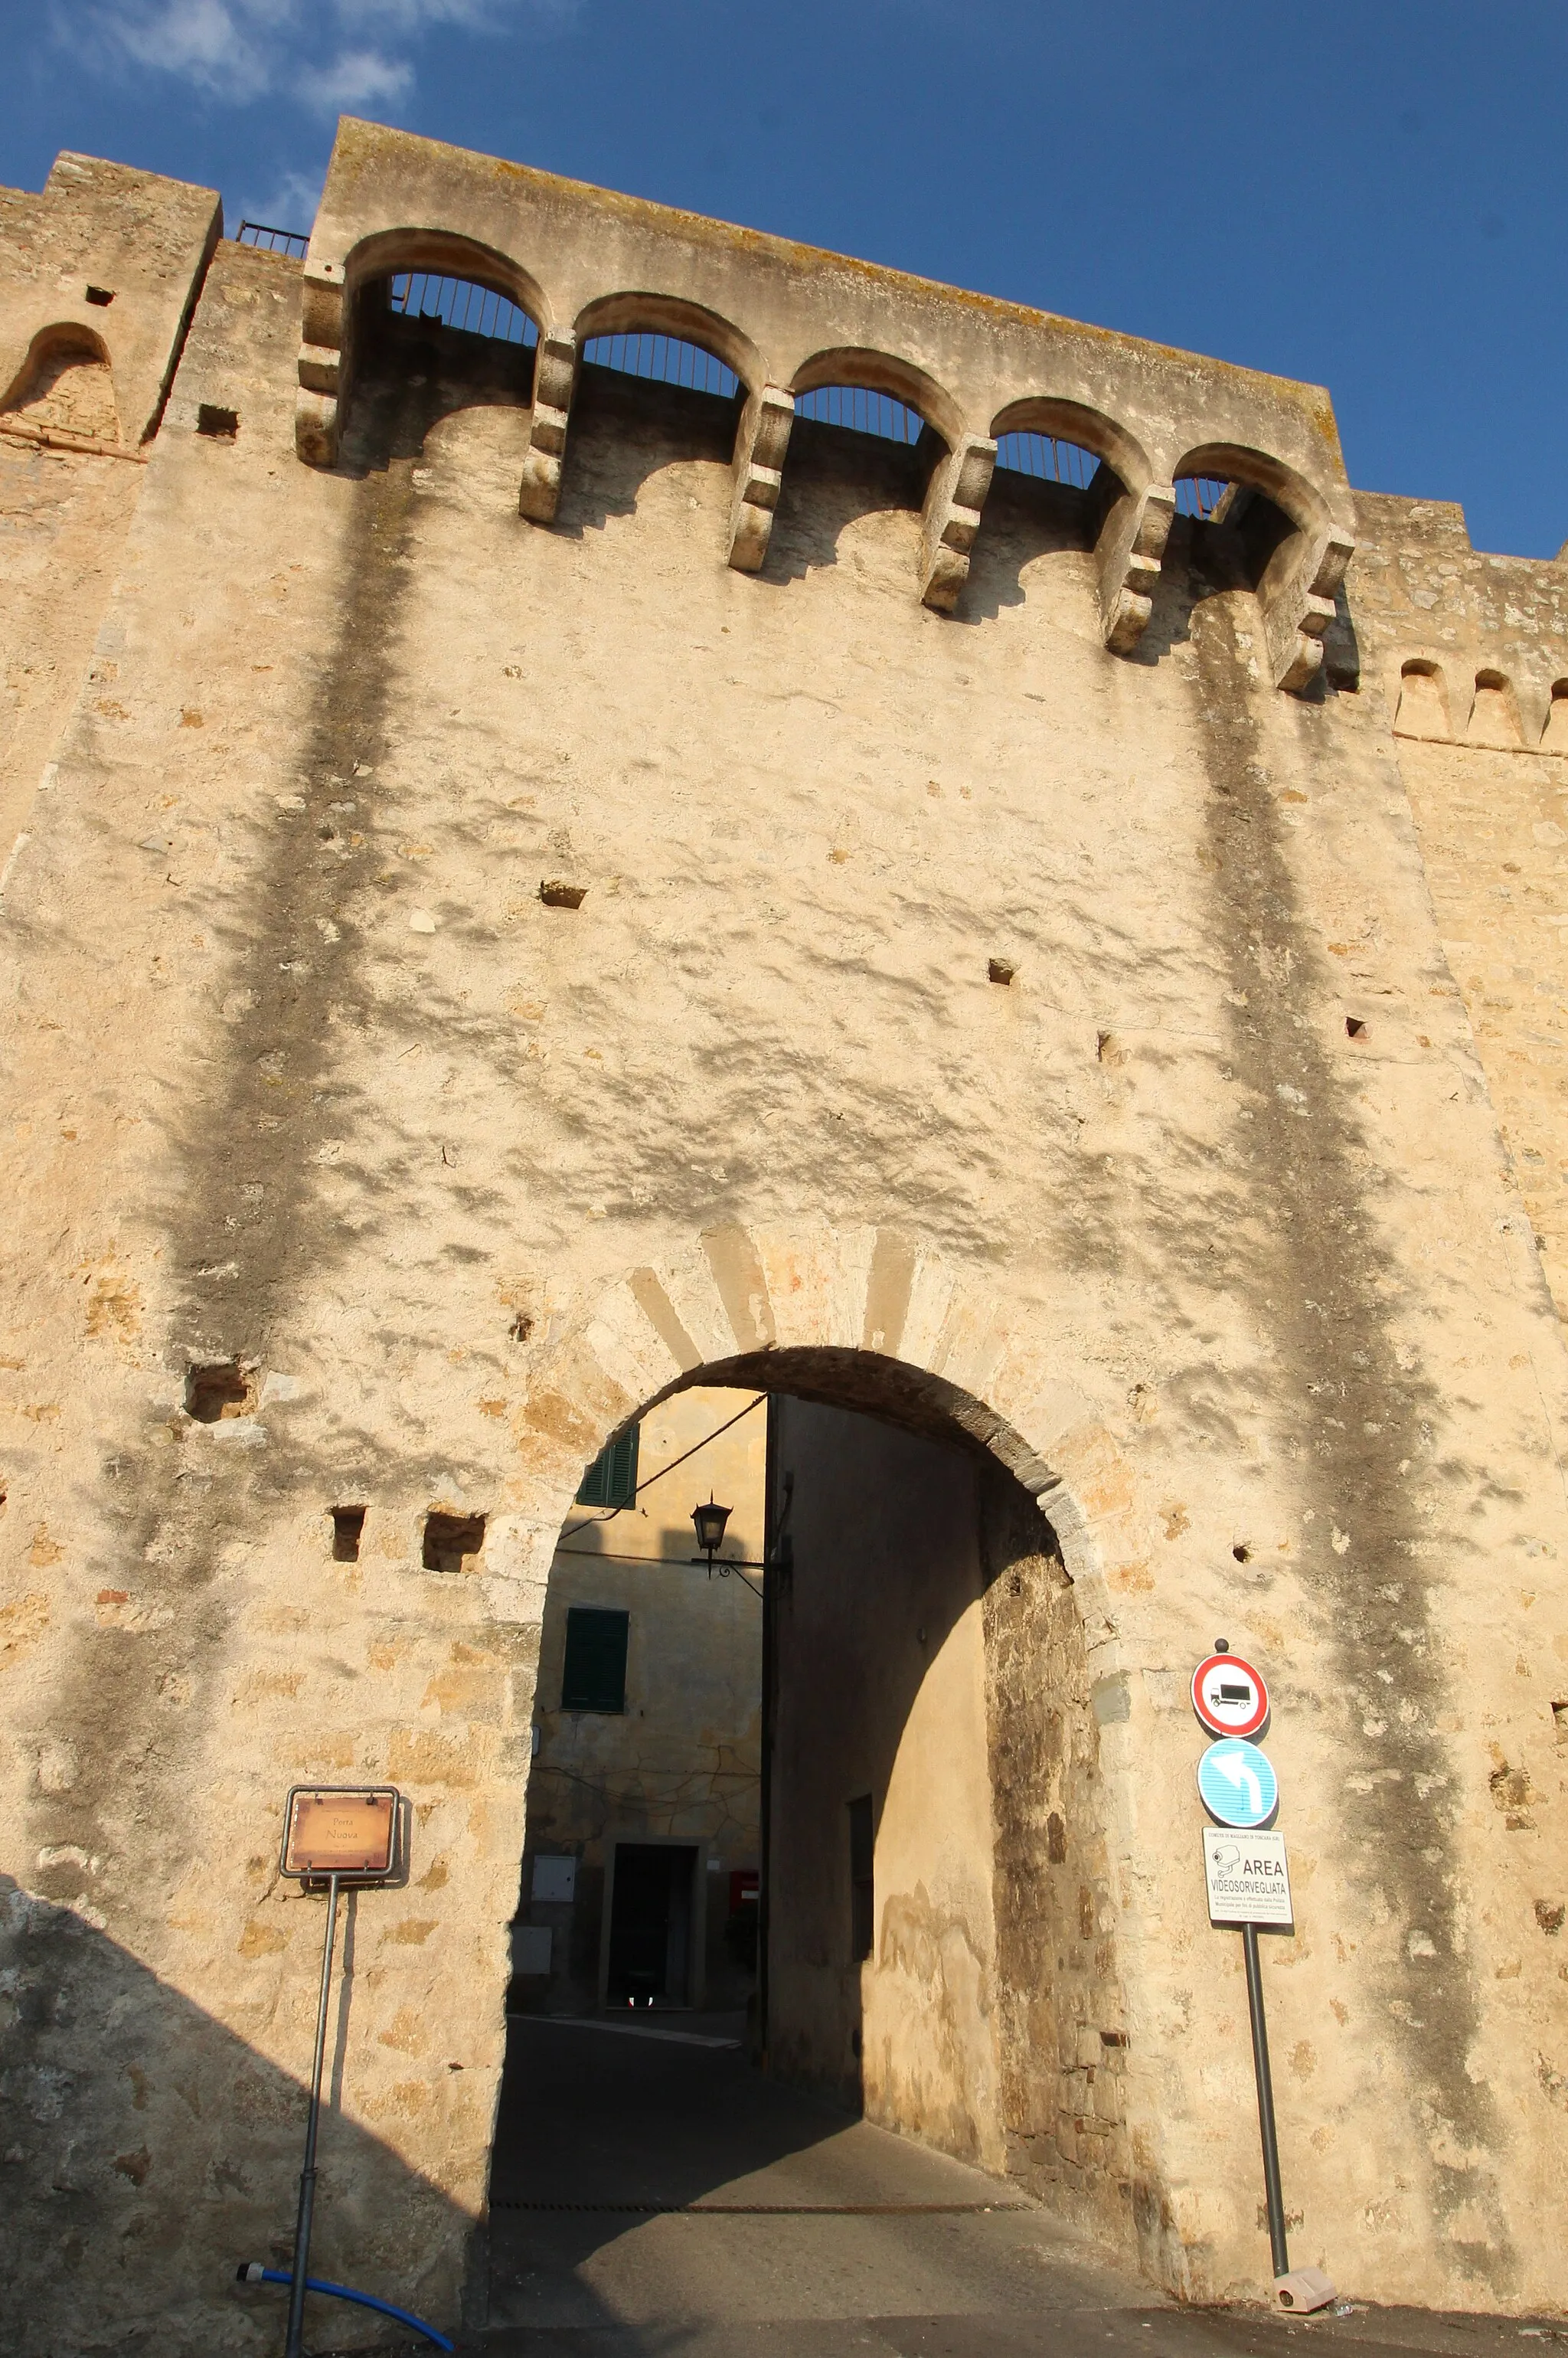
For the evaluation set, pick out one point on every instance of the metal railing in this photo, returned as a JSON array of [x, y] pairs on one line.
[[1198, 496], [1045, 458], [862, 411], [292, 242], [663, 359], [458, 303]]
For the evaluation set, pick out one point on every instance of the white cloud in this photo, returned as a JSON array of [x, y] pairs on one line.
[[413, 16], [325, 53], [359, 78], [201, 42]]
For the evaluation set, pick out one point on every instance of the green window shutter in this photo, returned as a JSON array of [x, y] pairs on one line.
[[611, 1479], [594, 1677]]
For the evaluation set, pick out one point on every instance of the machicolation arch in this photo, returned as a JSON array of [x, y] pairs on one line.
[[786, 322]]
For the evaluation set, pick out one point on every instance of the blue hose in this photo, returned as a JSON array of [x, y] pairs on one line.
[[253, 2272]]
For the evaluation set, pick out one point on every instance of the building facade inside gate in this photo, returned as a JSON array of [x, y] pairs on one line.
[[646, 868]]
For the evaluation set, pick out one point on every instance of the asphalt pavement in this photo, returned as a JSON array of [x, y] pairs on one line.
[[655, 2197]]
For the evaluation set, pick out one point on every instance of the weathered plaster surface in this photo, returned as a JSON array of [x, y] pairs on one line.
[[300, 1072]]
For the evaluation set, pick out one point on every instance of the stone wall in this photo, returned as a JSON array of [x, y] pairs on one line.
[[1467, 655], [98, 277], [930, 1655], [315, 1109]]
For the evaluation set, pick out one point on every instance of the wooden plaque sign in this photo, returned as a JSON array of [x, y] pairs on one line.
[[351, 1833]]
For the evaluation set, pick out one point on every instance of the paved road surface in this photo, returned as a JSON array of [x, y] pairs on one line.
[[657, 2198]]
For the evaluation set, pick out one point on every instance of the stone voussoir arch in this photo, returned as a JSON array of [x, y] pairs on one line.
[[866, 1317], [644, 312], [879, 1319]]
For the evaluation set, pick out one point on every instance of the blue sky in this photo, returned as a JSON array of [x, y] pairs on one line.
[[1371, 196]]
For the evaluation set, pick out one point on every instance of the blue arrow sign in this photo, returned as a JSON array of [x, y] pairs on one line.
[[1237, 1783]]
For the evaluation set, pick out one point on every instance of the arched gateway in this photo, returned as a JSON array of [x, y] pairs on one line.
[[548, 887]]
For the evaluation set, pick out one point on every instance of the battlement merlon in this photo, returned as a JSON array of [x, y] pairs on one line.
[[143, 241], [584, 262]]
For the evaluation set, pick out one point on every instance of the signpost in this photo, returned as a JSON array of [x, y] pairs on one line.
[[334, 1835], [1248, 1881]]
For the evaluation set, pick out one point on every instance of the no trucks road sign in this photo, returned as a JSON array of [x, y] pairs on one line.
[[1229, 1696]]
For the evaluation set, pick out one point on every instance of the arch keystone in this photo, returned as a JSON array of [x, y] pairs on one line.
[[816, 1282]]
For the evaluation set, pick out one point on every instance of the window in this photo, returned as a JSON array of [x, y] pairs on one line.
[[862, 1908], [594, 1675], [611, 1479]]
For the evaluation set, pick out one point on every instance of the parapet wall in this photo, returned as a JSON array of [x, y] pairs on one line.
[[787, 319]]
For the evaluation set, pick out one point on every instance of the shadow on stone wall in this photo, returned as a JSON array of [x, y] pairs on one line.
[[1025, 520], [125, 2235], [623, 430]]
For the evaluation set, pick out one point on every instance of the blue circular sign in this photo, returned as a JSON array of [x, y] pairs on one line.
[[1237, 1783]]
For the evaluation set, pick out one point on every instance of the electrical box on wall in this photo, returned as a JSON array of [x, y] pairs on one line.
[[555, 1878], [532, 1946]]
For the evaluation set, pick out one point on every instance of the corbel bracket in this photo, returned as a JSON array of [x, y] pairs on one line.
[[323, 368], [555, 380], [760, 440], [951, 518], [1127, 555], [1296, 595]]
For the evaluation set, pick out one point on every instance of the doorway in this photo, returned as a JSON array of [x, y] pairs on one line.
[[649, 1946]]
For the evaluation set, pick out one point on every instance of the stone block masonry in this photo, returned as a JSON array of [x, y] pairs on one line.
[[1018, 960]]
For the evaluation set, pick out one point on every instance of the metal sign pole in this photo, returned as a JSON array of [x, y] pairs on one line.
[[1272, 2194], [294, 2347]]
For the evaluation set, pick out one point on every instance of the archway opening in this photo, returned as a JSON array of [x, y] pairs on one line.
[[864, 445], [1245, 522], [428, 344], [815, 1857], [654, 394]]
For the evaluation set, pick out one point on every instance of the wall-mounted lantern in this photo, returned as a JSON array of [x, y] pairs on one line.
[[709, 1524]]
